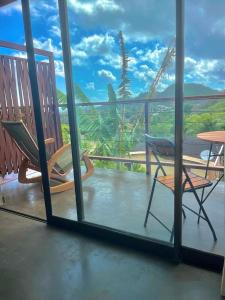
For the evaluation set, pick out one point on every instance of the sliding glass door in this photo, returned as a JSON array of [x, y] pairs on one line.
[[120, 112], [204, 108], [123, 78], [124, 81]]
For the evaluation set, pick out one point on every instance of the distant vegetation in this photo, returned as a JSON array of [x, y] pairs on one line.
[[100, 131], [207, 117]]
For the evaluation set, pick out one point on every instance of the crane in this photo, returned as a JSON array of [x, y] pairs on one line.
[[170, 54]]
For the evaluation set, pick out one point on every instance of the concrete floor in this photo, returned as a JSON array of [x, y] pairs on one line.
[[119, 200], [39, 262]]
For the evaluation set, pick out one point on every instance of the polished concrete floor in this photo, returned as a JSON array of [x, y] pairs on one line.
[[119, 199], [43, 263]]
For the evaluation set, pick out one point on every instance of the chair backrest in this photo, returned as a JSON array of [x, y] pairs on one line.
[[160, 147], [22, 138]]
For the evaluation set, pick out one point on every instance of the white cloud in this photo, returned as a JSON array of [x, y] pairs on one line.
[[94, 7], [131, 16], [53, 18], [47, 44], [59, 68], [79, 57], [80, 7], [108, 5], [113, 60], [209, 72], [154, 56], [90, 86], [41, 8], [144, 67], [132, 63], [78, 53], [20, 54], [55, 31], [92, 46], [203, 67], [10, 8], [37, 8], [147, 74], [107, 74], [96, 44], [148, 62]]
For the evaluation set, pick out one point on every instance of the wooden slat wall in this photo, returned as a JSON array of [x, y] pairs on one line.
[[16, 103]]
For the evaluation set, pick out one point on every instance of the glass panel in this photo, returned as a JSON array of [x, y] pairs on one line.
[[124, 87], [204, 109], [15, 105], [52, 90], [50, 71]]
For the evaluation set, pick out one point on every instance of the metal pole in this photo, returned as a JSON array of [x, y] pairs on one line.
[[146, 112], [36, 105], [179, 125], [71, 106]]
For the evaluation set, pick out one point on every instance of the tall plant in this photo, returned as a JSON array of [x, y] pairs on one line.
[[114, 118], [123, 91]]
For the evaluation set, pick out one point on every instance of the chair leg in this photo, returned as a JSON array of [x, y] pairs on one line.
[[209, 193], [172, 234], [150, 202], [205, 214], [183, 212], [200, 208], [206, 174]]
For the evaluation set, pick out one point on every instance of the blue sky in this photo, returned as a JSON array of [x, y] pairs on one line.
[[148, 27]]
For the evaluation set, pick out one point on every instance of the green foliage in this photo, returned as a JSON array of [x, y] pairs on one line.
[[188, 108], [99, 128], [212, 119], [111, 93], [162, 124], [80, 95], [114, 121], [61, 98], [65, 133]]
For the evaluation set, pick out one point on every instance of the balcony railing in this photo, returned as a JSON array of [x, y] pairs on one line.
[[133, 118]]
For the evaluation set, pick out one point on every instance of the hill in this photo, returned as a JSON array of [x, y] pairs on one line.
[[190, 89]]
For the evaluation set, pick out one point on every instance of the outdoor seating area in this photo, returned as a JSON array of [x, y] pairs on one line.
[[119, 200]]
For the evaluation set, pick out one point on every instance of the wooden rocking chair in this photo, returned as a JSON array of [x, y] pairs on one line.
[[59, 164]]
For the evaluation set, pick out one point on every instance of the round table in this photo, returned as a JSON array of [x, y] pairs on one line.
[[213, 136]]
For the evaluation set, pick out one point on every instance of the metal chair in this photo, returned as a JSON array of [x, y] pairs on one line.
[[190, 183], [216, 156]]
